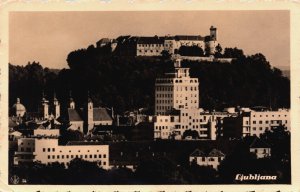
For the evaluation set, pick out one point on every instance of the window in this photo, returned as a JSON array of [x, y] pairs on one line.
[[95, 156], [104, 156], [53, 156], [267, 122], [260, 122], [99, 156], [57, 156], [49, 156], [44, 149], [91, 156], [203, 158], [72, 156], [104, 163], [67, 156], [48, 149], [254, 122], [85, 156], [53, 149], [62, 156]]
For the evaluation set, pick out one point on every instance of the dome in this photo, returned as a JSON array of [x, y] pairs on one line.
[[18, 109]]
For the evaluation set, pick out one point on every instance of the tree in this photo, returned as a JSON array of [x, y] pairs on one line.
[[218, 51], [207, 51]]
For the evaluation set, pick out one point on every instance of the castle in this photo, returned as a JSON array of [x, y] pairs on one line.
[[153, 46]]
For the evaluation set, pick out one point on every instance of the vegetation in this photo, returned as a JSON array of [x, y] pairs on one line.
[[126, 82]]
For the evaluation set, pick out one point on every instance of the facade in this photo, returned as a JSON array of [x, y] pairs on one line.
[[153, 46], [47, 150], [18, 109], [84, 119], [258, 147], [177, 107], [150, 46], [212, 159], [255, 123]]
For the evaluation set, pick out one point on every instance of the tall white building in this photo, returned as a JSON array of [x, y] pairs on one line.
[[177, 107]]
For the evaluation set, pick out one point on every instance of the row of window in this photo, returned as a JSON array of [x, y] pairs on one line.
[[164, 88], [150, 45], [209, 159], [272, 115], [75, 156], [164, 95], [267, 122], [151, 51], [70, 151]]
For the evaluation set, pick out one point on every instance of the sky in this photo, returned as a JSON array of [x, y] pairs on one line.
[[48, 37]]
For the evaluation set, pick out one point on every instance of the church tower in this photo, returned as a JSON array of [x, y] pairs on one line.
[[44, 108], [72, 103], [90, 113], [56, 107]]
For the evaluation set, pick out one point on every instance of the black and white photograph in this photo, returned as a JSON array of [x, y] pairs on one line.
[[198, 97]]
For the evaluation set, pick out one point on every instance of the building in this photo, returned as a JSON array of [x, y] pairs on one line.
[[212, 159], [177, 107], [18, 109], [153, 46], [150, 46], [47, 150], [255, 123], [84, 119], [257, 146]]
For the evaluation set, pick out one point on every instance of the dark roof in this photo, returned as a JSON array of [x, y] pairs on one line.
[[255, 142], [213, 153], [216, 153], [189, 37], [100, 114], [73, 115], [151, 40], [198, 153]]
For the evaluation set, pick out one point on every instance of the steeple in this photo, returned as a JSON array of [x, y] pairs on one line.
[[72, 103], [44, 108], [56, 106]]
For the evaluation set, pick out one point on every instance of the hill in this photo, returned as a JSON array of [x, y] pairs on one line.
[[127, 82]]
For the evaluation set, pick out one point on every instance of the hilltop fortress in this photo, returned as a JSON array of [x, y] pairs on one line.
[[154, 46]]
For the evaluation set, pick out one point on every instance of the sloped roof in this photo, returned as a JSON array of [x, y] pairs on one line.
[[12, 123], [100, 114], [189, 38], [258, 143], [73, 115], [198, 153], [151, 40], [216, 153], [255, 142]]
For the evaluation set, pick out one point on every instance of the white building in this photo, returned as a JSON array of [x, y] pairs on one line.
[[212, 159], [255, 123], [47, 150], [84, 119], [177, 107], [260, 148], [150, 46]]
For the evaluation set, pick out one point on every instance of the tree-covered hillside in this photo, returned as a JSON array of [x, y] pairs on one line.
[[127, 82]]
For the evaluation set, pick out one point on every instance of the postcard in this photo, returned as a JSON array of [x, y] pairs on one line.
[[149, 96]]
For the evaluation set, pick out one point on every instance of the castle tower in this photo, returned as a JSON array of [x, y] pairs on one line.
[[44, 108], [56, 107], [90, 113], [213, 40], [213, 33]]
